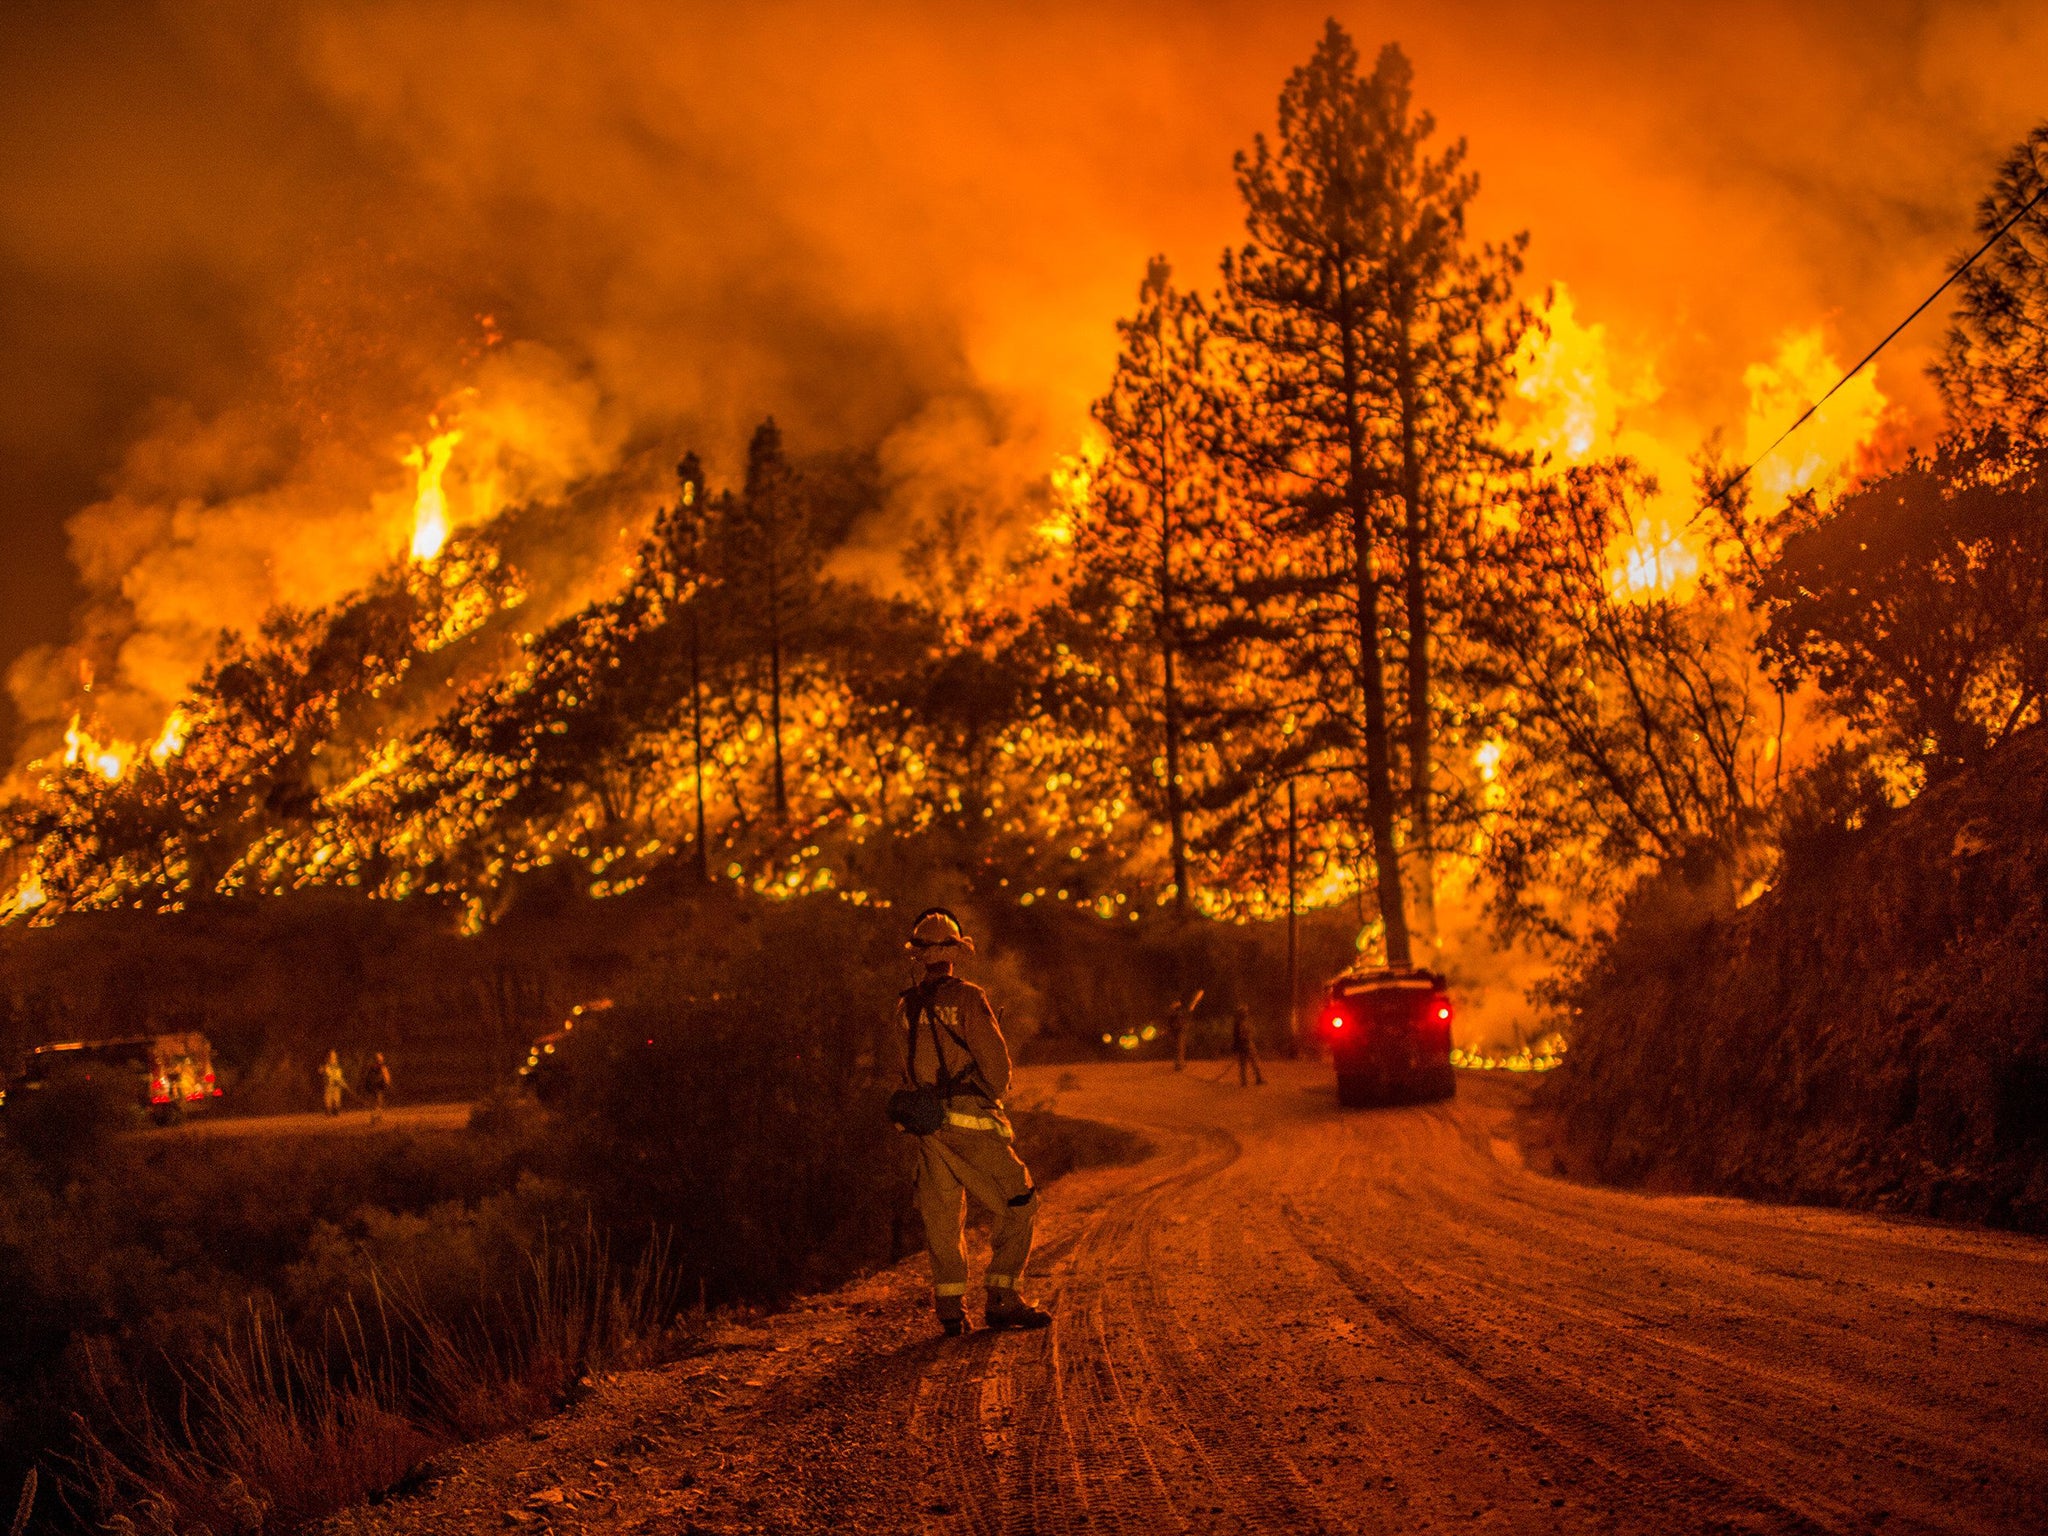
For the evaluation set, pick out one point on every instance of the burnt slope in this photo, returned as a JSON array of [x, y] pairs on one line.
[[1873, 1032]]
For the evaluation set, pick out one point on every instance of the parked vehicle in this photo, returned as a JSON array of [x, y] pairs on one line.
[[1389, 1036], [172, 1073]]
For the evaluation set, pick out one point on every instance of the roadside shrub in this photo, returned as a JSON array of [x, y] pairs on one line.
[[1872, 1031], [740, 1105], [69, 1122]]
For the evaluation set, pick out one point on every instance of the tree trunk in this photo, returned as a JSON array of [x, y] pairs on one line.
[[1176, 810], [1421, 736], [775, 686], [697, 738], [1293, 948], [1372, 675]]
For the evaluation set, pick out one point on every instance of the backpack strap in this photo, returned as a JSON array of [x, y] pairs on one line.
[[917, 1006]]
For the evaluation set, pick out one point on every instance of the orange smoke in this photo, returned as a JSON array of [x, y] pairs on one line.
[[243, 249]]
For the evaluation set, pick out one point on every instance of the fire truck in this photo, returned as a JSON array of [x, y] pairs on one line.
[[172, 1074], [1389, 1035]]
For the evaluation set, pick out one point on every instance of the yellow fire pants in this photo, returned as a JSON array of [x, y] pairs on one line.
[[959, 1159]]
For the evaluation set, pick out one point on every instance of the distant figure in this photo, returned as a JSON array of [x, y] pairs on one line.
[[1246, 1048], [1180, 1018], [184, 1085], [954, 1054], [380, 1084], [332, 1083]]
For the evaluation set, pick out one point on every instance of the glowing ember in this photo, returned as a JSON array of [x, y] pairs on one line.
[[26, 898], [430, 503]]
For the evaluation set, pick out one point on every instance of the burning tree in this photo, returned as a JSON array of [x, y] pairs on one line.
[[1154, 543], [233, 794], [1634, 727], [1919, 603], [1377, 346]]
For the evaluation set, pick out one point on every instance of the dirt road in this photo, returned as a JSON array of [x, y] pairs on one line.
[[1293, 1318], [350, 1122]]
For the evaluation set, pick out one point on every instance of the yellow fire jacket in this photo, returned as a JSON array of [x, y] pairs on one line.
[[969, 1039]]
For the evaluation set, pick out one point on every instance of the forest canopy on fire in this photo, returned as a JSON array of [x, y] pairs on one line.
[[1357, 564]]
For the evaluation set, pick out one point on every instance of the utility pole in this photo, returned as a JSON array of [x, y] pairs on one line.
[[1293, 952]]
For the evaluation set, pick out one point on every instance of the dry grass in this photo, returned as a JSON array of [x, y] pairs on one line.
[[268, 1435]]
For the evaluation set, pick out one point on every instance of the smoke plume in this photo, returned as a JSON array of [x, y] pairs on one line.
[[253, 255]]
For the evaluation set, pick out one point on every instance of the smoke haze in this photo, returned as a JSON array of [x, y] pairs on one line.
[[251, 254]]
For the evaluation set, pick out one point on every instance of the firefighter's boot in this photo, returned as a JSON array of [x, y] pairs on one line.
[[952, 1316], [1006, 1309]]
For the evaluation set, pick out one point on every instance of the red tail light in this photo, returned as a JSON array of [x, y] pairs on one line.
[[1443, 1012]]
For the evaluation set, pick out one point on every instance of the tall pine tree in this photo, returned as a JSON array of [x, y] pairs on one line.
[[1148, 542], [1302, 300], [772, 566], [1378, 341], [1445, 331]]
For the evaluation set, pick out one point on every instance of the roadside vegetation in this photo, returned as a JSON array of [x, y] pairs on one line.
[[236, 1334]]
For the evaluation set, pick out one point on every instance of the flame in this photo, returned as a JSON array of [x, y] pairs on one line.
[[1072, 481], [26, 898], [107, 759], [1654, 559], [1577, 400], [430, 503], [1825, 448], [1575, 403], [170, 741]]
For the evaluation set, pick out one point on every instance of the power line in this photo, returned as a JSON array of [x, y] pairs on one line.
[[1870, 356]]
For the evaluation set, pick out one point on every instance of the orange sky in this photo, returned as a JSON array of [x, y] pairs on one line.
[[243, 246]]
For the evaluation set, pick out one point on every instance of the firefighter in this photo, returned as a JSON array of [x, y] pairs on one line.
[[1177, 1032], [1245, 1047], [380, 1085], [332, 1083], [952, 1042]]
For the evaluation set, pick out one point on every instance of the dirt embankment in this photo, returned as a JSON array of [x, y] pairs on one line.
[[1873, 1032]]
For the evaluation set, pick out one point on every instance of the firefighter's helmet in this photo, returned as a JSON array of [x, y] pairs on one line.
[[936, 929]]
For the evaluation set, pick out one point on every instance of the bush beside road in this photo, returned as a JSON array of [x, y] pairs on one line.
[[1872, 1032]]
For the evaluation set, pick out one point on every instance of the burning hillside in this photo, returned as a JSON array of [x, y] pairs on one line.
[[443, 605]]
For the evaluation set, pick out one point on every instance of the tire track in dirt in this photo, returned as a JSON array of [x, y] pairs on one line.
[[1108, 1420], [1581, 1425], [1762, 1372]]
